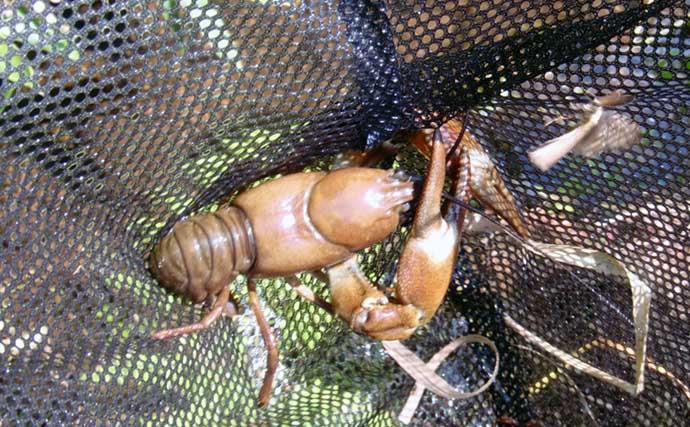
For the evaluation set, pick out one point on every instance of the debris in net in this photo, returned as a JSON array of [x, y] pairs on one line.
[[600, 130], [425, 374], [625, 351], [630, 353], [641, 299], [603, 263]]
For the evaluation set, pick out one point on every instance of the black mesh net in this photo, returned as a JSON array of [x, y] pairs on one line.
[[120, 118]]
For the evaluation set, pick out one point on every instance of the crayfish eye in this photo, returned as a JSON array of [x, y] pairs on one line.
[[357, 207]]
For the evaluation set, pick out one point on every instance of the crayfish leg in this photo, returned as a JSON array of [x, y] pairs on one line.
[[306, 293], [218, 309], [487, 185], [269, 341]]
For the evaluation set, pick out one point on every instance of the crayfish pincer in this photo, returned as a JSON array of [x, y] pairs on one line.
[[309, 221]]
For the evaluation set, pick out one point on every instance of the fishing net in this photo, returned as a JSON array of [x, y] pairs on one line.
[[120, 118]]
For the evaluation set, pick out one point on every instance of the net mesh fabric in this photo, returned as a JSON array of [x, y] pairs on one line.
[[120, 118]]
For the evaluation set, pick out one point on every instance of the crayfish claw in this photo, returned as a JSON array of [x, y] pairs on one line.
[[487, 185], [387, 322], [375, 301]]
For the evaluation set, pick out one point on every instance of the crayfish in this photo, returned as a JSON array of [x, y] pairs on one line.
[[309, 221]]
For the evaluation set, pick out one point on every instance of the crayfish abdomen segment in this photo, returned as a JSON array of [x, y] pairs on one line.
[[203, 253]]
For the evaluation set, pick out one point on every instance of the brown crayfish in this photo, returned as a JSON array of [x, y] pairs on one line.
[[308, 221]]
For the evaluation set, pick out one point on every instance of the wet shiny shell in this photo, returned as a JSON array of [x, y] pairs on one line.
[[203, 253]]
